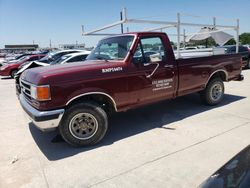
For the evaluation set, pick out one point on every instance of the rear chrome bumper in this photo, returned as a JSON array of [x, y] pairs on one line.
[[44, 120]]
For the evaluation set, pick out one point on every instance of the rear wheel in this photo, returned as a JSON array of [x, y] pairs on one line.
[[84, 124], [213, 93], [13, 73]]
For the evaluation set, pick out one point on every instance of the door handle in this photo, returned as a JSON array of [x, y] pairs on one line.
[[150, 75], [169, 66]]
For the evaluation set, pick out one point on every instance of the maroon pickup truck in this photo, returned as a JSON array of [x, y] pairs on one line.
[[122, 72]]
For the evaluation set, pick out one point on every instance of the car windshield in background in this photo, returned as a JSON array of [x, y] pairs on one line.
[[60, 60], [114, 48], [23, 58], [19, 56], [47, 58]]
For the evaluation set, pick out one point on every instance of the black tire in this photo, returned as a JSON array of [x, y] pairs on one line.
[[248, 65], [69, 124], [13, 73], [213, 93]]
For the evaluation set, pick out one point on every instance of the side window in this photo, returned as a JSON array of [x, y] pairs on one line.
[[83, 57], [75, 59], [138, 55], [147, 47]]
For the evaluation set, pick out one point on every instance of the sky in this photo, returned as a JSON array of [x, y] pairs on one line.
[[39, 21]]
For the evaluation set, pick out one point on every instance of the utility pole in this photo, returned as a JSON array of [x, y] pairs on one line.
[[121, 18], [50, 44], [178, 35], [214, 22], [237, 35], [184, 38]]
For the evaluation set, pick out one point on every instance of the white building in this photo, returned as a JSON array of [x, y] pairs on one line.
[[71, 46]]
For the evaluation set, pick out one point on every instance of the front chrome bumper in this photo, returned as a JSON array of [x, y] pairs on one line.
[[44, 120]]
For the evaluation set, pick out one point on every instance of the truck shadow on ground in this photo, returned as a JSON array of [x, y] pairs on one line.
[[124, 125]]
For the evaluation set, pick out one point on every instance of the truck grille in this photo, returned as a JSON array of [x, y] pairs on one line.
[[25, 88]]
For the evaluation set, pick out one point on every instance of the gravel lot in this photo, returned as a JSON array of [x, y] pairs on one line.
[[175, 143]]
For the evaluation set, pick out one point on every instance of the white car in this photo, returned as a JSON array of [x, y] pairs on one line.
[[54, 56], [74, 57], [68, 58]]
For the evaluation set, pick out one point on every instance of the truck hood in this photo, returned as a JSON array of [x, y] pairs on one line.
[[71, 72]]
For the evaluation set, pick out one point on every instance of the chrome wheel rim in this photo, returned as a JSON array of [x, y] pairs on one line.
[[83, 126], [216, 92]]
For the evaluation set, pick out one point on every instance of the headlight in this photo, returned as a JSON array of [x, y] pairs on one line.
[[40, 93]]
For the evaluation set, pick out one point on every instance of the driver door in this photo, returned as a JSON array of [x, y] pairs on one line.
[[153, 80]]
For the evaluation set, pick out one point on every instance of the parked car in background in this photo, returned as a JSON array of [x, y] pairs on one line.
[[243, 50], [48, 58], [41, 52], [248, 46], [190, 48], [54, 56], [234, 174], [2, 55], [10, 69], [69, 58], [13, 59], [72, 57]]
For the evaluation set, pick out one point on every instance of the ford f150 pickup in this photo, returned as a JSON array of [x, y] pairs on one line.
[[121, 73]]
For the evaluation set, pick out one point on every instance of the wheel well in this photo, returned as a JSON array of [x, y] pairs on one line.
[[219, 74], [12, 71], [104, 101]]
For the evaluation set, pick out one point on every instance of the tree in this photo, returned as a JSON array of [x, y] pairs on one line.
[[207, 42], [231, 42], [245, 38]]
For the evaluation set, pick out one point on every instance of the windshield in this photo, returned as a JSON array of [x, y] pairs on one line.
[[60, 60], [22, 59], [19, 56], [114, 48], [47, 58]]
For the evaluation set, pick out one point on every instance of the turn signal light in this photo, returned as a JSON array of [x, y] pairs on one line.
[[40, 93], [43, 93]]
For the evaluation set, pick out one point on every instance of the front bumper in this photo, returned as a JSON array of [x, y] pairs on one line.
[[44, 120]]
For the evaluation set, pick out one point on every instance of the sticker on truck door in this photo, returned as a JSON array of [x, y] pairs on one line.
[[112, 69], [162, 84]]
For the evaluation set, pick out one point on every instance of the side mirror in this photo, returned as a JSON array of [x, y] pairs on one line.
[[155, 58]]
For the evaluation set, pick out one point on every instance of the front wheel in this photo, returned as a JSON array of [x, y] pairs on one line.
[[84, 124], [13, 73], [213, 93]]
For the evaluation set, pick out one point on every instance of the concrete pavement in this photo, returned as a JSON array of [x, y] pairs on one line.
[[175, 143]]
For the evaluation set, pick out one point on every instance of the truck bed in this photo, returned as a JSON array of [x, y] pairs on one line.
[[195, 72]]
